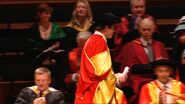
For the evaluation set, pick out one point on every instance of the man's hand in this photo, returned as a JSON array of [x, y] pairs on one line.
[[122, 77], [162, 97], [40, 100]]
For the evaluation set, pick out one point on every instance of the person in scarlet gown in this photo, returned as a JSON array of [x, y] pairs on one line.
[[140, 52], [97, 82]]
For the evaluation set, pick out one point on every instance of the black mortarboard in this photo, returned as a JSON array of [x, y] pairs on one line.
[[107, 19], [165, 62]]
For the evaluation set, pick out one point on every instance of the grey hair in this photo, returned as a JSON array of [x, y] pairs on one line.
[[42, 70]]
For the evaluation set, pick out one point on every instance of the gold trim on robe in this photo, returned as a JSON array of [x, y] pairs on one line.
[[106, 92], [36, 91], [175, 91], [76, 25]]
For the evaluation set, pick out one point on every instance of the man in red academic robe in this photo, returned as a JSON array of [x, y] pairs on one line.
[[142, 50], [135, 52], [127, 30], [74, 55], [97, 82], [163, 90], [73, 66]]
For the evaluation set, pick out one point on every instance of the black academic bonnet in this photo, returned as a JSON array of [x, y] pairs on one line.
[[165, 62], [107, 19]]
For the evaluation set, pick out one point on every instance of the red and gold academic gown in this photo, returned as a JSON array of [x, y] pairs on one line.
[[150, 93], [97, 80]]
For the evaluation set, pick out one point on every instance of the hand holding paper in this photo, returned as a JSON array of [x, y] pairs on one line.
[[126, 70], [121, 77]]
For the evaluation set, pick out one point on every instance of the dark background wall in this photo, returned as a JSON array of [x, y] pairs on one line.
[[23, 11], [15, 66]]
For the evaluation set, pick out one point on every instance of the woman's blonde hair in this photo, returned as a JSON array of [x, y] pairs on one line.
[[89, 11]]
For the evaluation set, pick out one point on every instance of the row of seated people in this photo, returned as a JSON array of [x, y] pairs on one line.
[[49, 44], [164, 89]]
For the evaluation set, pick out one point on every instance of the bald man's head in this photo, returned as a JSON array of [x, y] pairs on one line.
[[146, 28]]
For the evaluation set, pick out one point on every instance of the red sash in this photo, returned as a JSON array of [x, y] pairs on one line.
[[180, 97]]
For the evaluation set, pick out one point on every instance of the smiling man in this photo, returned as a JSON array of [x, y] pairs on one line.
[[41, 93]]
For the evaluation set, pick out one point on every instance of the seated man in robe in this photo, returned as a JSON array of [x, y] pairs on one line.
[[142, 50], [41, 93], [73, 65], [163, 90]]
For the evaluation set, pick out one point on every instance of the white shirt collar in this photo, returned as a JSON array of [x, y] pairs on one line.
[[144, 42], [168, 84], [99, 33]]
